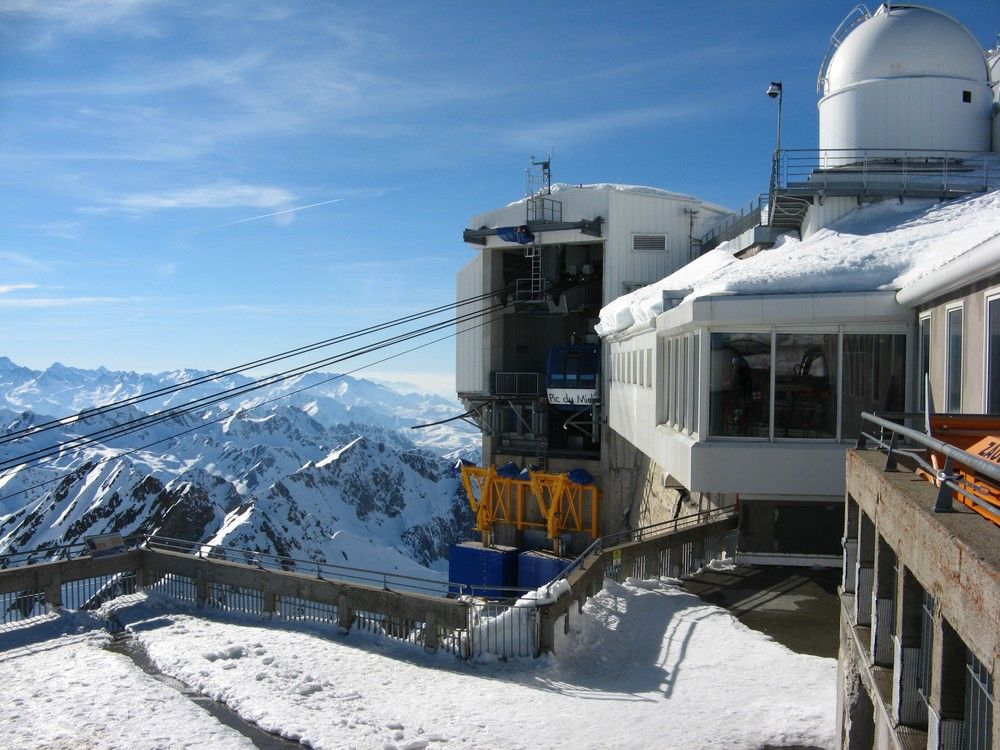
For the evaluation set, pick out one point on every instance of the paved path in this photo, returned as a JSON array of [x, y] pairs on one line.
[[797, 607]]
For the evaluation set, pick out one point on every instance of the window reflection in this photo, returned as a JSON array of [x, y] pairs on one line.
[[740, 384], [805, 392], [874, 377]]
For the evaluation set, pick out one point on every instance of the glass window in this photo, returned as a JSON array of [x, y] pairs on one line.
[[874, 377], [993, 356], [695, 387], [684, 418], [953, 384], [805, 385], [740, 384], [925, 360]]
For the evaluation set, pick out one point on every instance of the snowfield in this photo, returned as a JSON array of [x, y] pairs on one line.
[[647, 665]]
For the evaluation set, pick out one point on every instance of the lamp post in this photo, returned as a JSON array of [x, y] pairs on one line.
[[774, 91]]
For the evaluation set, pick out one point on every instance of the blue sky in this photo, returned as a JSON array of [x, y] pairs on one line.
[[136, 137]]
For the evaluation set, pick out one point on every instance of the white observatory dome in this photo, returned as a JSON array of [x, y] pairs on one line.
[[908, 77]]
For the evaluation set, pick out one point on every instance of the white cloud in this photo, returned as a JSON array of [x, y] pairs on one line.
[[41, 302], [593, 126], [20, 259], [5, 288], [218, 195]]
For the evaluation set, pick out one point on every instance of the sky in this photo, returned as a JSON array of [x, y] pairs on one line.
[[192, 184]]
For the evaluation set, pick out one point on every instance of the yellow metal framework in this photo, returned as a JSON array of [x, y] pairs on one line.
[[563, 506]]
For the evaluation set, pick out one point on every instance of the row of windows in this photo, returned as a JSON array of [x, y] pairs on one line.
[[802, 385], [954, 362], [680, 392], [774, 384], [634, 367]]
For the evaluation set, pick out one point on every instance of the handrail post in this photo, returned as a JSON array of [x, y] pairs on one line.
[[943, 502], [890, 459]]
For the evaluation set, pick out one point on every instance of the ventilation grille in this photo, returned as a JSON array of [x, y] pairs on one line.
[[646, 243]]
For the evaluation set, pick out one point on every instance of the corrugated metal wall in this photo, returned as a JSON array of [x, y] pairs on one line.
[[471, 374], [635, 213]]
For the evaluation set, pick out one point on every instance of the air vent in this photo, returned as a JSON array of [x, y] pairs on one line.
[[649, 243]]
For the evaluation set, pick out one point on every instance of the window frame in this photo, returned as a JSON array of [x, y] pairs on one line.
[[959, 308]]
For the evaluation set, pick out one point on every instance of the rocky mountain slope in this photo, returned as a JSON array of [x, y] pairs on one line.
[[331, 473]]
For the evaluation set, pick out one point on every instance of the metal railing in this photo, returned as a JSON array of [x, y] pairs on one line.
[[877, 170], [915, 448], [430, 612], [656, 531], [748, 216], [389, 581]]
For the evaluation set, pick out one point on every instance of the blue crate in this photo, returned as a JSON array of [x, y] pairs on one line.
[[482, 568], [536, 568]]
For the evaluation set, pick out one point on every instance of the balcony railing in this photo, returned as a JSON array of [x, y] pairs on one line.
[[955, 472], [872, 171]]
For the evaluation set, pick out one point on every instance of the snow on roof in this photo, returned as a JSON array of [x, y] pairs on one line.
[[883, 246], [635, 189]]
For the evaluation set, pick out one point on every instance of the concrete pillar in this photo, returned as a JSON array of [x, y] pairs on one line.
[[908, 706], [849, 578], [201, 588], [269, 602], [431, 639], [865, 571], [53, 592], [546, 631], [883, 605], [947, 700], [345, 614]]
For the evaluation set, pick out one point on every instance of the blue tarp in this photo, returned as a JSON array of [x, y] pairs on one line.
[[581, 476], [520, 235], [509, 470]]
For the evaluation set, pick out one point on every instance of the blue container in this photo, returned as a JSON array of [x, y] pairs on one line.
[[536, 568], [481, 568]]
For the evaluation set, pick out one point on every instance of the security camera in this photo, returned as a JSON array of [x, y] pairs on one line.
[[774, 90]]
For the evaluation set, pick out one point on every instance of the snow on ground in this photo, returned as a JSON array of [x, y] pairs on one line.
[[880, 246], [62, 689], [646, 665]]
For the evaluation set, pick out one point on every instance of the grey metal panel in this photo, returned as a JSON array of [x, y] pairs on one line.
[[471, 375]]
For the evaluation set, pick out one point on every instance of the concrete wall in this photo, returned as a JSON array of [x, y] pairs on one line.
[[902, 550]]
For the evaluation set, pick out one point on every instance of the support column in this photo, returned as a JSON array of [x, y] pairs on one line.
[[53, 592], [947, 704], [883, 605], [865, 571], [908, 706], [345, 615], [850, 542], [431, 637]]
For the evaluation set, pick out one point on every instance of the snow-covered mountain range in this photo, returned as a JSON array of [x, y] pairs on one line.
[[322, 467]]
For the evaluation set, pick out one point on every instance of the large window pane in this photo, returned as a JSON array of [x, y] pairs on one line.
[[993, 357], [740, 384], [953, 386], [925, 361], [874, 377], [695, 382], [805, 385]]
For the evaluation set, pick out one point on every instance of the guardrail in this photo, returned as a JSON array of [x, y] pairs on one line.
[[949, 480], [871, 169], [428, 612], [748, 216]]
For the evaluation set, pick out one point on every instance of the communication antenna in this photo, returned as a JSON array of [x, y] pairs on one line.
[[530, 175]]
